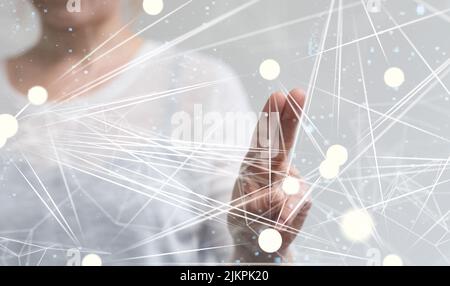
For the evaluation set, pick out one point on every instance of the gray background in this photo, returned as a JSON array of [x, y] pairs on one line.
[[290, 31]]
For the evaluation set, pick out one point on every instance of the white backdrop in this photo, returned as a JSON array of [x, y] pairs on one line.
[[291, 31]]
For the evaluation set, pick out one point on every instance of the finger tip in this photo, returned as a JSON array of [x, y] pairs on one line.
[[278, 96], [276, 102], [298, 94]]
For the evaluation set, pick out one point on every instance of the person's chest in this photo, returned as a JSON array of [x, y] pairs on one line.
[[93, 185]]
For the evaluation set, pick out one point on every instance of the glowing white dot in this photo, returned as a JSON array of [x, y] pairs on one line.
[[37, 95], [337, 154], [153, 7], [269, 69], [394, 77], [329, 169], [357, 225], [2, 142], [392, 260], [420, 10], [270, 240], [92, 260], [291, 186], [8, 126]]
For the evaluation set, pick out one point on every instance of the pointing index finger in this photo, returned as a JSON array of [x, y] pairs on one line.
[[290, 118]]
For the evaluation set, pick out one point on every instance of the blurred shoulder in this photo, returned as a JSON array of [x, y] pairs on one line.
[[187, 65], [204, 78]]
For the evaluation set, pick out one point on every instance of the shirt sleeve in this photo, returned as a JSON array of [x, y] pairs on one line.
[[224, 106], [234, 101]]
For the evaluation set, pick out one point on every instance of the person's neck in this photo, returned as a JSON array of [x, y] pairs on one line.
[[75, 43], [60, 50]]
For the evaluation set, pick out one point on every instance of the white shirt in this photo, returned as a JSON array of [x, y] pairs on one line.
[[100, 174]]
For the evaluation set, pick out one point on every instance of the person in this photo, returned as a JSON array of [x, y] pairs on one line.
[[95, 171]]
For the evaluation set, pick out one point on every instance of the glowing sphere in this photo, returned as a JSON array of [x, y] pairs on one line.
[[8, 126], [357, 225], [392, 260], [270, 240], [291, 186], [92, 260], [337, 154], [329, 170], [394, 77], [153, 7], [37, 95], [269, 69]]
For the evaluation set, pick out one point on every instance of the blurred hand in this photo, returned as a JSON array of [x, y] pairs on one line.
[[269, 192]]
